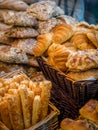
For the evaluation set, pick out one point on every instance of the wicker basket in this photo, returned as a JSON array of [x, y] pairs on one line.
[[51, 121], [80, 91]]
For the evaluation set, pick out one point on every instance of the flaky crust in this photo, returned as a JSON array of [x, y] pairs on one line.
[[91, 74], [61, 33], [59, 58], [81, 41], [43, 42], [88, 111], [83, 60]]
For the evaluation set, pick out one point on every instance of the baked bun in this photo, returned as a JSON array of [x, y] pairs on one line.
[[62, 33]]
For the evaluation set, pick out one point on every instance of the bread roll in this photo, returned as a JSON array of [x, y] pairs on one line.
[[14, 5], [21, 32], [42, 10], [27, 45]]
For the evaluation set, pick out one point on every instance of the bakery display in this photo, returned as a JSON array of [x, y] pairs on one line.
[[21, 106], [33, 30]]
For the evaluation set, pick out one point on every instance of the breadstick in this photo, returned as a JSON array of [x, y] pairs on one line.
[[45, 96], [5, 114], [36, 109], [23, 91], [15, 112]]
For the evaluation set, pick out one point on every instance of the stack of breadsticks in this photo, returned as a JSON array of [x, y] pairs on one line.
[[23, 102], [88, 119]]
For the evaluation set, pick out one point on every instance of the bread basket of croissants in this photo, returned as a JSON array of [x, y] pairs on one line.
[[68, 56], [24, 104]]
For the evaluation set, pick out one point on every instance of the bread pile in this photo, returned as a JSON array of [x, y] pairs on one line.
[[23, 102], [88, 119], [70, 47], [20, 24]]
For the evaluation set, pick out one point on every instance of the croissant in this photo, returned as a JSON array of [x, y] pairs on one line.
[[59, 58], [14, 5], [61, 33], [43, 42], [81, 41], [83, 60], [93, 37]]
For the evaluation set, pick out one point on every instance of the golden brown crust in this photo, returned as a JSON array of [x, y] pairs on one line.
[[93, 37], [45, 97], [91, 74], [69, 124], [3, 127], [36, 111], [23, 91], [4, 112], [81, 41], [88, 111], [43, 42], [15, 110], [61, 33], [59, 58], [82, 60]]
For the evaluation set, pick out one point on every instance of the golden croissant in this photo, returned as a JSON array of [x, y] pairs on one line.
[[43, 42], [61, 33], [81, 41]]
